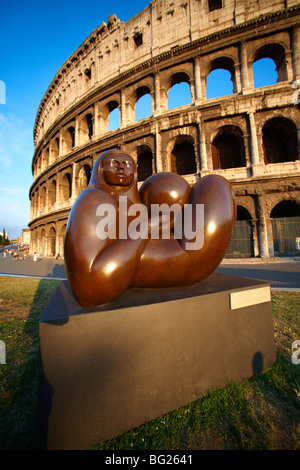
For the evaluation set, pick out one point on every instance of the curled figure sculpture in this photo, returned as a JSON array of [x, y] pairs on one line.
[[166, 234]]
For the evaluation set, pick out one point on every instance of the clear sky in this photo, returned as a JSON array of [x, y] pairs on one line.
[[36, 38]]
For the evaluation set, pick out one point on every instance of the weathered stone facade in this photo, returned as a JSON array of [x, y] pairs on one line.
[[251, 136]]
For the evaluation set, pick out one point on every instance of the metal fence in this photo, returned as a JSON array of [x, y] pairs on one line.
[[286, 236], [241, 245]]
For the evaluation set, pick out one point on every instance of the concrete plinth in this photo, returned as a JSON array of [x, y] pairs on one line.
[[109, 369]]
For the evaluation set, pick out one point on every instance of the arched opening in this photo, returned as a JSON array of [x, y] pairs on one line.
[[221, 79], [286, 228], [264, 72], [214, 5], [89, 121], [214, 79], [54, 149], [84, 177], [144, 162], [113, 115], [71, 131], [43, 198], [66, 187], [180, 92], [280, 141], [52, 193], [86, 128], [51, 242], [143, 108], [68, 139], [45, 158], [242, 241], [286, 209], [276, 54], [228, 149], [183, 158]]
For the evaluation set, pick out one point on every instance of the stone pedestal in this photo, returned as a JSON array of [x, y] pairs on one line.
[[109, 369]]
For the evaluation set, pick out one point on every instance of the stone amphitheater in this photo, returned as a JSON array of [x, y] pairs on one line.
[[250, 136]]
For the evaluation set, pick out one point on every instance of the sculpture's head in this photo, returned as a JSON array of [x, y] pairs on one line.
[[116, 172], [118, 169]]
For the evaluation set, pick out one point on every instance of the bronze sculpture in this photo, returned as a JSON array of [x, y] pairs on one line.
[[103, 258]]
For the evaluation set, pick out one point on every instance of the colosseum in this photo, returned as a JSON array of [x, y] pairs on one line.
[[250, 136]]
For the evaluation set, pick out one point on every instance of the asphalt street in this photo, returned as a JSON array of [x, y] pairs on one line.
[[281, 273]]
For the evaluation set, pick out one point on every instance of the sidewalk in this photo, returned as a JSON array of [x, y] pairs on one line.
[[260, 260], [281, 273], [46, 267]]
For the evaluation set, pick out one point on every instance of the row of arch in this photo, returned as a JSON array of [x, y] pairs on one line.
[[48, 239], [281, 226], [279, 141], [228, 150], [55, 193], [153, 95]]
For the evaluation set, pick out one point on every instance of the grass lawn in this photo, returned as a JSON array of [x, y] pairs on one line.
[[259, 413]]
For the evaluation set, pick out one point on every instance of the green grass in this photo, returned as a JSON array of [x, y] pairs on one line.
[[22, 302], [259, 413]]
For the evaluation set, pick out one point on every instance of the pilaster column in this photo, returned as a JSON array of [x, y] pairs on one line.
[[262, 227], [158, 162], [123, 113], [245, 74], [238, 80], [96, 119], [255, 238], [203, 153], [57, 243], [253, 139], [77, 132], [57, 195], [295, 40], [42, 160], [289, 66], [61, 143], [47, 198], [130, 112], [51, 153], [163, 99], [157, 101], [74, 187], [197, 75]]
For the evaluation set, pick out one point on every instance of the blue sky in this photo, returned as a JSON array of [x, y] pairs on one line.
[[36, 38]]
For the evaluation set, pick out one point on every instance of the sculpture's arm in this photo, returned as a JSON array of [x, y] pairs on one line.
[[98, 270], [179, 262]]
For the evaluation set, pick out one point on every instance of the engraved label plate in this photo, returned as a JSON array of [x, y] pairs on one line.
[[249, 297]]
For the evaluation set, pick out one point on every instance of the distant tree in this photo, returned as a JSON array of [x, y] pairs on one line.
[[3, 239]]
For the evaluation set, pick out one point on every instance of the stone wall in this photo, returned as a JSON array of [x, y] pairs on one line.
[[165, 44]]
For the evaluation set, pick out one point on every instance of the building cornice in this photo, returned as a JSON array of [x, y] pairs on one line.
[[91, 42]]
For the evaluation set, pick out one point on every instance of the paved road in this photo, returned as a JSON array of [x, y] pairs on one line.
[[281, 274], [284, 274], [47, 267]]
